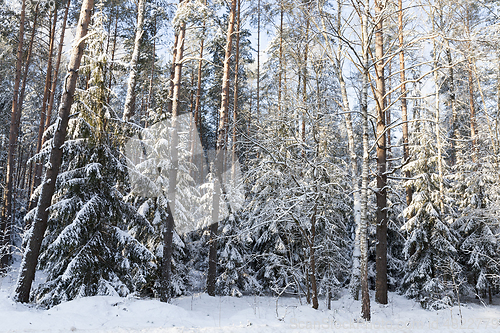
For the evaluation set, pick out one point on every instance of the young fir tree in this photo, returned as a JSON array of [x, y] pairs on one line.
[[475, 223], [94, 243], [430, 246]]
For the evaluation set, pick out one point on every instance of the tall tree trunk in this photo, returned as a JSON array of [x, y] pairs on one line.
[[235, 95], [197, 116], [363, 239], [280, 73], [56, 70], [312, 261], [130, 99], [115, 35], [381, 194], [258, 60], [172, 173], [404, 108], [6, 218], [41, 126], [472, 108], [151, 77], [30, 260], [221, 147], [304, 84]]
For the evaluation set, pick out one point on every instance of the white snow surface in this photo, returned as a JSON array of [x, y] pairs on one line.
[[202, 313]]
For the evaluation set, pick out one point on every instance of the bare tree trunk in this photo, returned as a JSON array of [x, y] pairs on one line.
[[280, 73], [41, 127], [472, 108], [312, 261], [381, 194], [130, 99], [151, 77], [115, 35], [172, 173], [6, 218], [56, 70], [404, 108], [235, 95], [388, 115], [30, 260], [197, 116], [363, 239], [258, 60], [221, 147]]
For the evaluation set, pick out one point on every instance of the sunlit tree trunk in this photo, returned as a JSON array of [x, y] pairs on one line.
[[404, 108], [129, 110], [46, 95], [221, 147], [172, 173], [363, 238], [381, 194], [30, 258]]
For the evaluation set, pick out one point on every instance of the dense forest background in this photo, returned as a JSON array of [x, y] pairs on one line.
[[158, 148]]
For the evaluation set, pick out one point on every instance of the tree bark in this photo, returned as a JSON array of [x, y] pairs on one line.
[[115, 35], [235, 95], [404, 108], [363, 239], [129, 110], [381, 194], [41, 126], [6, 218], [221, 147], [30, 259], [172, 173], [56, 70]]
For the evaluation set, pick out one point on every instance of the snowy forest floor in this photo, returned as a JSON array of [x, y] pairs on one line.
[[202, 313]]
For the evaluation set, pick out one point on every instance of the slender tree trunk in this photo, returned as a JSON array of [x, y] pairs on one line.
[[151, 77], [404, 108], [115, 35], [304, 86], [41, 126], [129, 110], [6, 218], [221, 147], [56, 70], [172, 173], [381, 194], [363, 239], [258, 60], [281, 60], [472, 108], [30, 260], [312, 261], [454, 115], [388, 114], [197, 116], [172, 74], [235, 95]]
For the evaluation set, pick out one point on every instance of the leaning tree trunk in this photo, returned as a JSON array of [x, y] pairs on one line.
[[30, 259], [381, 194], [56, 70], [363, 239], [172, 174], [46, 93], [221, 147], [130, 99]]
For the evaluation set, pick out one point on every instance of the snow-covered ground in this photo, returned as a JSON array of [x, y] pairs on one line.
[[202, 313]]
